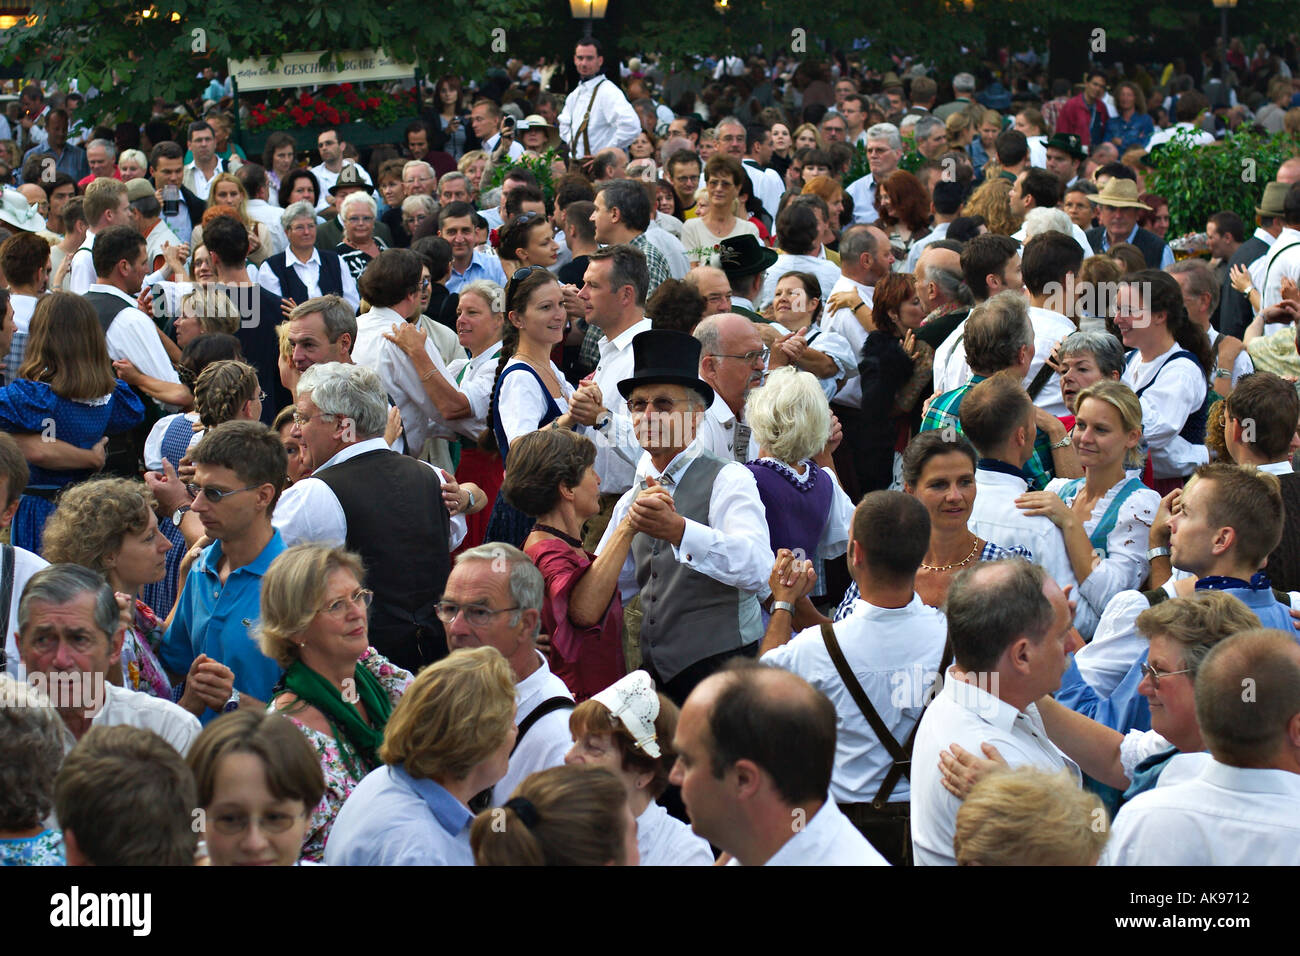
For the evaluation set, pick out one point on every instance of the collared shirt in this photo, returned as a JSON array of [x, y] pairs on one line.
[[766, 184], [130, 708], [654, 260], [827, 273], [490, 145], [219, 620], [72, 160], [895, 654], [734, 549], [613, 121], [269, 215], [326, 178], [197, 182], [310, 511], [716, 431], [845, 324], [863, 193], [1049, 328], [24, 306], [481, 266], [995, 517], [938, 231], [1225, 816], [1166, 256], [26, 564], [617, 448], [945, 412], [662, 840], [309, 273], [81, 274], [828, 839], [1282, 259], [1278, 467], [1174, 391], [394, 819], [475, 377], [421, 419], [969, 715], [547, 741], [134, 336]]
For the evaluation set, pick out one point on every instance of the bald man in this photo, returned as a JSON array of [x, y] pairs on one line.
[[1289, 172], [713, 287]]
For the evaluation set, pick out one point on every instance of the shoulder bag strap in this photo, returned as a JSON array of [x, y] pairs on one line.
[[547, 706], [7, 561], [1272, 262], [586, 120], [1036, 386]]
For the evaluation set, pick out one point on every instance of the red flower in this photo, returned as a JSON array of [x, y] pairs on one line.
[[373, 102], [346, 87], [351, 99]]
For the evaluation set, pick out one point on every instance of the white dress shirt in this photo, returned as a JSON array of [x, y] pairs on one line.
[[863, 193], [1199, 136], [196, 182], [547, 741], [309, 511], [25, 565], [1176, 393], [326, 179], [968, 715], [130, 708], [309, 273], [81, 274], [613, 121], [1225, 816], [474, 377], [134, 336], [1282, 259], [1049, 328], [845, 324], [828, 839], [521, 403], [24, 308], [767, 186], [1038, 154], [269, 215], [950, 368], [1125, 565], [662, 840], [617, 448], [938, 231], [734, 549], [672, 250], [827, 273], [995, 517], [716, 432], [514, 152], [895, 654]]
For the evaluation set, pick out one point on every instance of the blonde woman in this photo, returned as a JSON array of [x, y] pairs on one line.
[[992, 200], [337, 689], [1029, 817], [226, 190], [448, 739], [720, 218], [472, 165], [1105, 516]]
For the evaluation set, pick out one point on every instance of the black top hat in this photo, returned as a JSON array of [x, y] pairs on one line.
[[350, 175], [664, 355], [1068, 143], [745, 256]]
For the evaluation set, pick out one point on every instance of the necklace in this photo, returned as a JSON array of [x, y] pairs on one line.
[[545, 372], [975, 546], [568, 539]]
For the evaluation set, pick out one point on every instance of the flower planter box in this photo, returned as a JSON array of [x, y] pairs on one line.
[[358, 134]]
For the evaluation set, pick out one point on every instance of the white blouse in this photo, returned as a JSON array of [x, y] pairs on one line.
[[1125, 565], [522, 403], [663, 840], [1177, 392]]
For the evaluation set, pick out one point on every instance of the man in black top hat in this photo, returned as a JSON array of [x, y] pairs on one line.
[[745, 261], [701, 557]]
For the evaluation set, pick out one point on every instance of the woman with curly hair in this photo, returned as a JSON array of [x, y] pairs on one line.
[[109, 525], [992, 202], [904, 209]]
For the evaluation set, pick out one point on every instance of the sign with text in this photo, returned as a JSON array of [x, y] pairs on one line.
[[306, 69]]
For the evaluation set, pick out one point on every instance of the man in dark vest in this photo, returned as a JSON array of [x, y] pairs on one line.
[[120, 266], [701, 558], [1118, 202], [385, 506]]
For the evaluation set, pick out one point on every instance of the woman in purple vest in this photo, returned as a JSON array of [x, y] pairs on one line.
[[807, 511]]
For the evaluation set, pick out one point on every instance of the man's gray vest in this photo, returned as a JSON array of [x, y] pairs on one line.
[[689, 616]]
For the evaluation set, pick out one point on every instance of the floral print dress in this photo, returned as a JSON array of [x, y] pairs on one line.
[[44, 849], [343, 767]]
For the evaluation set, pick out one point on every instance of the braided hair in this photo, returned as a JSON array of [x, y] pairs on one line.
[[222, 389], [519, 291]]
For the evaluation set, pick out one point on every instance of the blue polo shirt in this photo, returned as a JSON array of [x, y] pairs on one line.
[[394, 819], [481, 266], [221, 621]]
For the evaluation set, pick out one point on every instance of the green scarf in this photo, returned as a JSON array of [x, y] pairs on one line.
[[364, 739]]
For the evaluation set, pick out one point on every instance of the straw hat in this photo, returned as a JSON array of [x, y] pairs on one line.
[[1121, 193]]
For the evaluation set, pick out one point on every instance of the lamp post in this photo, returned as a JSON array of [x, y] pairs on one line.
[[1223, 6], [587, 11]]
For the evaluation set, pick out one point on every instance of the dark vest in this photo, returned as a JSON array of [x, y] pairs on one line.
[[125, 451], [796, 514], [689, 616], [291, 287], [1283, 567], [1194, 428], [1151, 245], [400, 527]]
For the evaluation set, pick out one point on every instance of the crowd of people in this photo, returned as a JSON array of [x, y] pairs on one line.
[[825, 470]]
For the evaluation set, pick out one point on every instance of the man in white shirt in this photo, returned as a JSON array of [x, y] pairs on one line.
[[596, 114], [884, 151], [866, 257], [755, 143], [891, 646], [106, 204], [487, 121], [990, 264], [999, 419], [1283, 257], [798, 236], [746, 789], [331, 164], [732, 361], [701, 558], [205, 165], [25, 262], [499, 582], [1048, 267], [258, 187], [1240, 809], [1007, 626], [70, 635]]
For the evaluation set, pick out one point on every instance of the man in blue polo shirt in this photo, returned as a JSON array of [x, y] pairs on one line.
[[456, 225], [239, 472]]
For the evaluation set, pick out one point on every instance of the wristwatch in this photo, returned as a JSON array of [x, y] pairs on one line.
[[783, 606], [1157, 553], [1062, 443], [603, 420], [470, 506], [232, 703], [178, 514]]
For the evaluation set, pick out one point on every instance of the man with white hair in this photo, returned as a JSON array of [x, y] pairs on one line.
[[931, 137], [884, 151], [383, 505], [101, 157], [419, 179], [452, 187], [963, 91]]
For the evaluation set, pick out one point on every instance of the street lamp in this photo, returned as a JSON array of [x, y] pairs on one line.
[[1223, 6], [588, 10]]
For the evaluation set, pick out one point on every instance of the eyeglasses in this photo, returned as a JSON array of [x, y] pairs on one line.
[[216, 495], [234, 823], [362, 598], [304, 419], [639, 405], [260, 396], [750, 358], [1155, 675], [527, 216], [475, 614]]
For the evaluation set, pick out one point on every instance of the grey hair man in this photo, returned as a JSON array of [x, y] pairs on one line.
[[963, 91], [349, 501], [101, 156], [453, 187], [884, 152], [866, 257], [1007, 625], [69, 638], [494, 597]]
